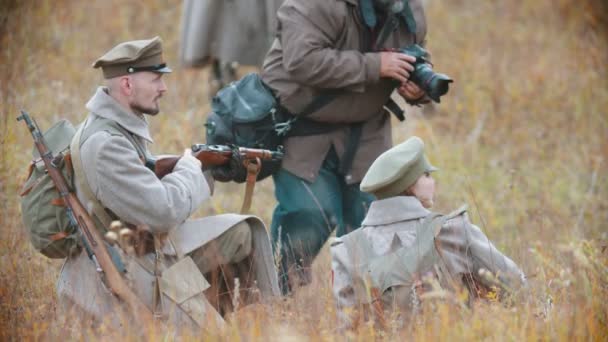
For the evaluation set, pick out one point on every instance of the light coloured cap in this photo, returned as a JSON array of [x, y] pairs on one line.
[[133, 56], [397, 169]]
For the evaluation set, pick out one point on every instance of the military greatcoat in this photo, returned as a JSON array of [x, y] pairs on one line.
[[229, 30], [392, 224], [117, 178]]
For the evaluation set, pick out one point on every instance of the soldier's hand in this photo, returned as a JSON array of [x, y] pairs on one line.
[[410, 91], [396, 65], [233, 170], [190, 157]]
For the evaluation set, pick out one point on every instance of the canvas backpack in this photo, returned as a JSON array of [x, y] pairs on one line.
[[42, 209], [43, 212]]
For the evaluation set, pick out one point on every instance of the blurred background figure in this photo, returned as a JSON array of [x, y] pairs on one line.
[[226, 34]]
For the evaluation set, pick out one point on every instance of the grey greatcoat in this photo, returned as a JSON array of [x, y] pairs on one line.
[[230, 30], [318, 48], [391, 224], [118, 179]]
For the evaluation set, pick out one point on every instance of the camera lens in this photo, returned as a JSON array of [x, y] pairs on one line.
[[438, 86]]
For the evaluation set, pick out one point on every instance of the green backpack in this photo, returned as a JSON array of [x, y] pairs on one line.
[[42, 208]]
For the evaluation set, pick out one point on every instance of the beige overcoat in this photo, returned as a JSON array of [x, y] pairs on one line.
[[121, 183], [230, 30], [319, 47], [391, 224]]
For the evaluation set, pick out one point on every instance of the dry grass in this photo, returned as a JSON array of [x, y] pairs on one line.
[[522, 137]]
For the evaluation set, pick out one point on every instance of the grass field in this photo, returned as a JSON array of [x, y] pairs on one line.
[[522, 137]]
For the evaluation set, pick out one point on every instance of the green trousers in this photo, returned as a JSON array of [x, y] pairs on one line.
[[306, 215]]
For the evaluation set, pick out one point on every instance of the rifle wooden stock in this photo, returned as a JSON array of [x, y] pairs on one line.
[[210, 155], [92, 238]]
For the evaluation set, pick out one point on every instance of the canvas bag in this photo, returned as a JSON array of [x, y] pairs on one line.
[[245, 113], [42, 210]]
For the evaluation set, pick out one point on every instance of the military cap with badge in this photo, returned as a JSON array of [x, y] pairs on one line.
[[133, 56]]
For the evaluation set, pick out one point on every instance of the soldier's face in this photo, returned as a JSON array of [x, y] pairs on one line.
[[147, 89], [424, 190]]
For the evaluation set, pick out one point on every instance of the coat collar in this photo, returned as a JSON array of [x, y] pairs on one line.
[[102, 104], [394, 209]]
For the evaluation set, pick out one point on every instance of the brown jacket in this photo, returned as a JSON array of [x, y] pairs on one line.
[[319, 47]]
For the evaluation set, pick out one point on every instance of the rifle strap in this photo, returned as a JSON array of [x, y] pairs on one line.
[[99, 214], [253, 168]]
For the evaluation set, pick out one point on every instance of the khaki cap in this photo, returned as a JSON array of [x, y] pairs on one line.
[[133, 56], [397, 169]]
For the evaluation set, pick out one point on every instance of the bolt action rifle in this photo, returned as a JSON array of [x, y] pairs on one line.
[[216, 155], [213, 155], [91, 238]]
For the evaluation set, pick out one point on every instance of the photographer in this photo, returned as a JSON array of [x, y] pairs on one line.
[[334, 49]]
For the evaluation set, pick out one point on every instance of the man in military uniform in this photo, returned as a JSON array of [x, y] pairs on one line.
[[402, 246], [333, 48], [109, 153]]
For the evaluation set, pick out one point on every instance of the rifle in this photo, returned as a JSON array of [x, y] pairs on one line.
[[212, 155], [92, 241]]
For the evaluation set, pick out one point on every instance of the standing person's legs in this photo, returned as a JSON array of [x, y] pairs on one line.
[[303, 220], [221, 74]]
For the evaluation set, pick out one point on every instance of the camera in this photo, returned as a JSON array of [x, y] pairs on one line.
[[434, 84]]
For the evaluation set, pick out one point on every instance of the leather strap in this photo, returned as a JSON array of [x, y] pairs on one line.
[[58, 236], [253, 168], [58, 202], [394, 108]]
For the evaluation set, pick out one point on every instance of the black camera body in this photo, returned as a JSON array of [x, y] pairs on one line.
[[434, 84]]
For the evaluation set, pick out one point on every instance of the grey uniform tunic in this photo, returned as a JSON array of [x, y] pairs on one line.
[[120, 181], [465, 249]]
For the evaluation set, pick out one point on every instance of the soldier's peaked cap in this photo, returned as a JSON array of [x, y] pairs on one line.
[[133, 56], [395, 170]]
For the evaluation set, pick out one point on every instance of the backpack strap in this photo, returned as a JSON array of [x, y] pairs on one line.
[[97, 208], [101, 213]]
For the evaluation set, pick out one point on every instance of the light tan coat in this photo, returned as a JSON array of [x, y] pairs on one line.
[[120, 181], [391, 224]]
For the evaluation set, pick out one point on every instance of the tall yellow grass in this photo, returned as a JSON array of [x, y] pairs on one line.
[[522, 137]]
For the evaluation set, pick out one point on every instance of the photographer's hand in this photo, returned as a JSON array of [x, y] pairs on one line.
[[396, 65], [410, 91]]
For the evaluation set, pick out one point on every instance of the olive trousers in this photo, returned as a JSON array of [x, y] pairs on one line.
[[307, 214]]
